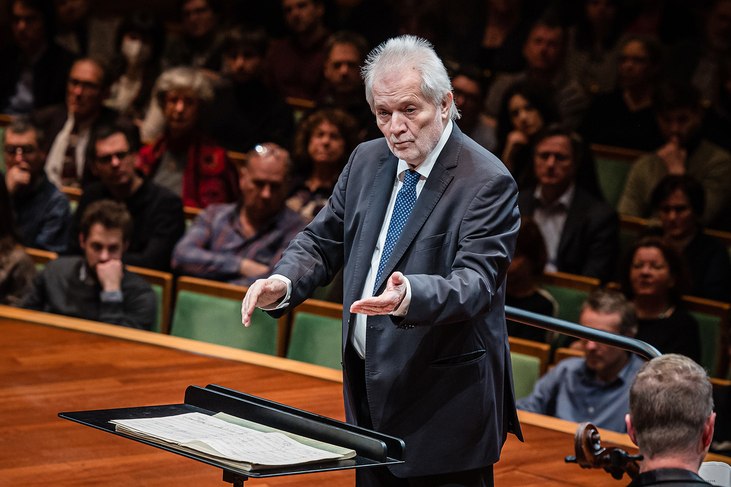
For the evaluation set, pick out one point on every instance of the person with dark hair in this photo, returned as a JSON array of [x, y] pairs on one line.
[[85, 32], [596, 387], [34, 67], [16, 267], [581, 232], [469, 86], [139, 45], [679, 114], [97, 286], [199, 46], [157, 213], [41, 210], [522, 286], [654, 276], [625, 118], [321, 147], [679, 201]]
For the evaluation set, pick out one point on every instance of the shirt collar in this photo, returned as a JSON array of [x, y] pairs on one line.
[[564, 200], [425, 168]]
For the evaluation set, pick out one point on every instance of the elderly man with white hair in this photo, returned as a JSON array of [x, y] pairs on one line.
[[423, 222]]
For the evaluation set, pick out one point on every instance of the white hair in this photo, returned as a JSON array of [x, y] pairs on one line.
[[183, 77], [410, 51]]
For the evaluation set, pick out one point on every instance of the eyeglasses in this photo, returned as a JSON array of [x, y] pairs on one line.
[[20, 149], [107, 159]]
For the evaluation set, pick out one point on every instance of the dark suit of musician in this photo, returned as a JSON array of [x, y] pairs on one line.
[[440, 377]]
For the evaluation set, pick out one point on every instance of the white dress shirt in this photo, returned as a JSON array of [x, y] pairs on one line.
[[551, 218]]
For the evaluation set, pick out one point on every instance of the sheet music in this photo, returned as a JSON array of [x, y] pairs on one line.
[[220, 438]]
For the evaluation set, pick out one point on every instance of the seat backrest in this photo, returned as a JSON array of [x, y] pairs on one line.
[[713, 322], [525, 373], [210, 311], [542, 351], [563, 353], [316, 340], [612, 168], [40, 257], [570, 291], [162, 284]]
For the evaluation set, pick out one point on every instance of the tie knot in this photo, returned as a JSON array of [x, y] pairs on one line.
[[411, 177]]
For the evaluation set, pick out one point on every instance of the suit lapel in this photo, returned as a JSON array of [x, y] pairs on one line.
[[573, 221]]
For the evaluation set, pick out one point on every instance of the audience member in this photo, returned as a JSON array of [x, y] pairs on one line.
[[322, 146], [653, 276], [595, 388], [83, 32], [294, 65], [580, 231], [156, 213], [34, 66], [625, 118], [522, 286], [241, 242], [182, 159], [544, 52], [41, 210], [679, 201], [668, 20], [199, 46], [16, 267], [68, 126], [468, 86], [140, 41], [97, 286], [679, 115], [671, 420]]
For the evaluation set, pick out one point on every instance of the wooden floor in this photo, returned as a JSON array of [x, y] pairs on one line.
[[75, 365]]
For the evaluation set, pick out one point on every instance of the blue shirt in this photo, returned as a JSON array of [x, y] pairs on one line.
[[43, 216], [571, 391]]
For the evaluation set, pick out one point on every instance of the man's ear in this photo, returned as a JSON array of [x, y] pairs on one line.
[[82, 241], [125, 246], [630, 429], [92, 166], [708, 431], [446, 105]]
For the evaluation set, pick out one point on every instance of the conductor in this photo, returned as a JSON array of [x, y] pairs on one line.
[[423, 222]]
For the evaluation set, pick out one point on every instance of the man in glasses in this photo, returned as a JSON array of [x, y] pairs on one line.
[[156, 212], [42, 211]]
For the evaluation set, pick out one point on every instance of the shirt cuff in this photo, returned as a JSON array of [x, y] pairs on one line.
[[284, 302], [404, 306], [111, 296]]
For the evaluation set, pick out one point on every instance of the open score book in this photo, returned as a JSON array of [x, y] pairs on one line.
[[235, 441]]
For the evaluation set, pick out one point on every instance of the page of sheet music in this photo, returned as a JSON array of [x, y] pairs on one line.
[[217, 437]]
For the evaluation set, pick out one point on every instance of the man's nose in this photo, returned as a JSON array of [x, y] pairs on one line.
[[104, 255], [398, 122], [266, 191], [180, 106]]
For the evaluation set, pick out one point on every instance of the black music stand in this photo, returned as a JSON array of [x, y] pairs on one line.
[[372, 448]]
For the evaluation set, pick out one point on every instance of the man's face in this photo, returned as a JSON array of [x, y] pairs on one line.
[[634, 65], [102, 245], [264, 185], [554, 162], [114, 163], [22, 150], [467, 97], [718, 26], [411, 123], [242, 64], [199, 19], [679, 125], [302, 16], [679, 221], [181, 110], [600, 357], [544, 47], [342, 68], [29, 29], [84, 93]]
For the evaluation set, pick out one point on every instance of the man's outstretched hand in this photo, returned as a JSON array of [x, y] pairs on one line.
[[387, 302], [262, 293]]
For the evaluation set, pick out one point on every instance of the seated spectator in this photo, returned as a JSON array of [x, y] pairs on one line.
[[522, 286], [97, 286], [671, 420], [468, 86], [322, 146], [294, 65], [16, 267], [244, 110], [625, 118], [679, 115], [183, 160], [679, 200], [85, 32], [34, 66], [199, 46], [136, 66], [594, 388], [68, 126], [343, 86], [580, 231], [41, 210], [156, 213], [240, 242], [653, 276], [544, 52]]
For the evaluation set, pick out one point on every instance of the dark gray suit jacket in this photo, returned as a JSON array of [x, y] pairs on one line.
[[440, 377]]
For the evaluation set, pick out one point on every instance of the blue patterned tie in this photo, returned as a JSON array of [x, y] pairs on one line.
[[405, 200]]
